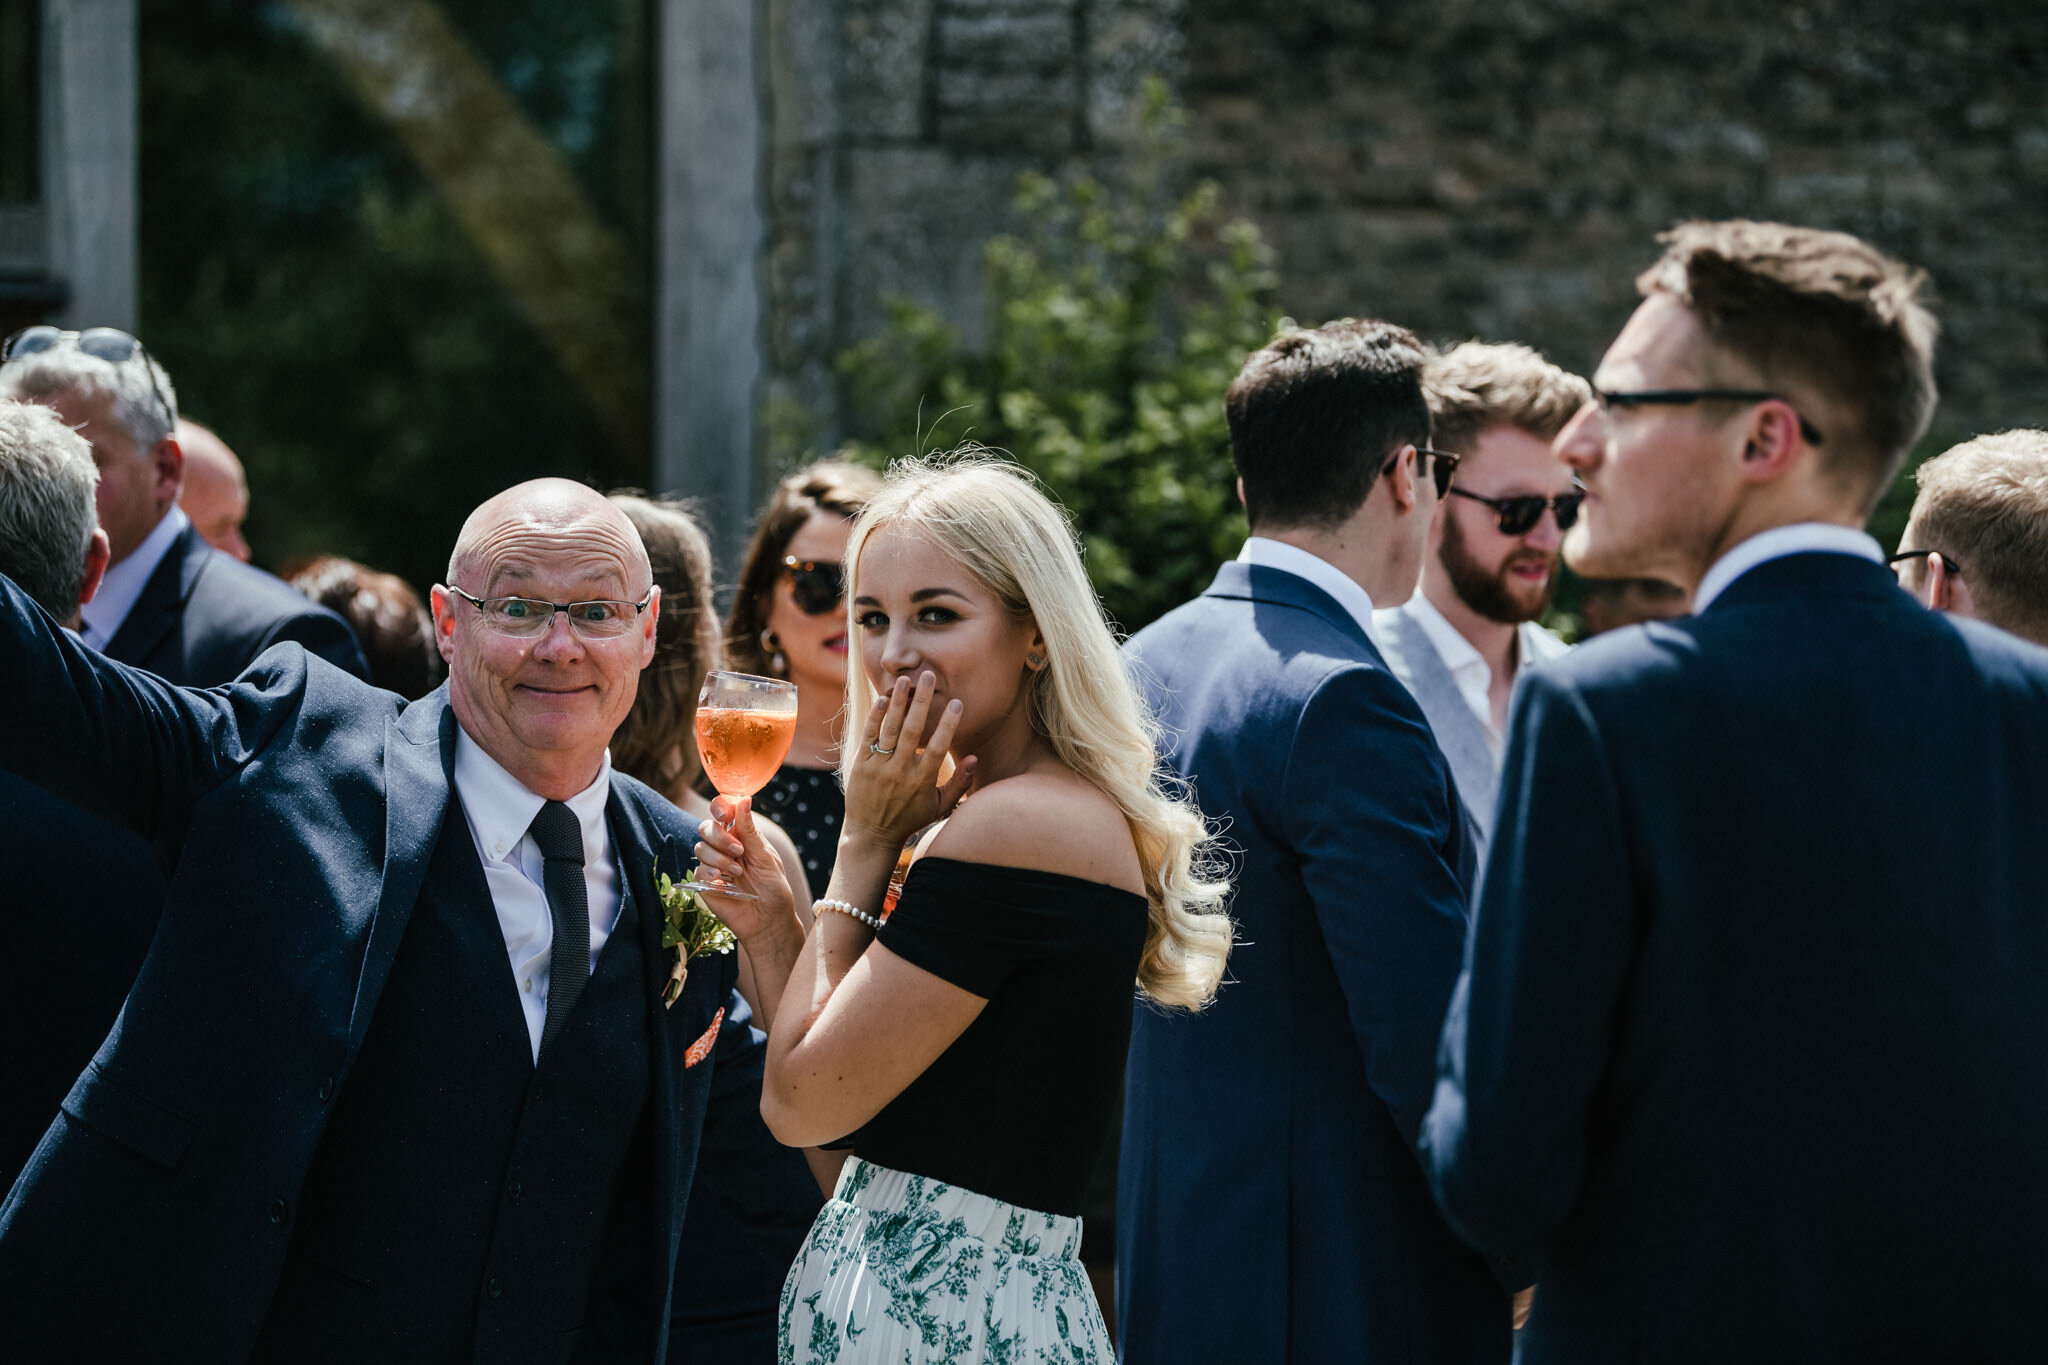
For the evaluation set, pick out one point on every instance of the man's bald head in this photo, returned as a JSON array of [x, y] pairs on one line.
[[215, 492], [525, 515]]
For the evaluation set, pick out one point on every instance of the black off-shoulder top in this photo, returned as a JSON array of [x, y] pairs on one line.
[[1021, 1103]]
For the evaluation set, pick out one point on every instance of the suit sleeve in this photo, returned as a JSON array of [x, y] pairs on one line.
[[116, 740], [767, 1187], [323, 633], [1367, 807], [1527, 1037]]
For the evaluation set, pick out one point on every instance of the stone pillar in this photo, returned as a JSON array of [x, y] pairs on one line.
[[707, 314], [89, 140]]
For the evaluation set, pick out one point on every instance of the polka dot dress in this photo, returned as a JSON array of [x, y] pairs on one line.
[[808, 804]]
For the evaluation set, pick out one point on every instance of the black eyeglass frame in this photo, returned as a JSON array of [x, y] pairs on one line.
[[1680, 397], [798, 570], [1565, 507], [554, 608], [1893, 561], [85, 341], [1443, 464]]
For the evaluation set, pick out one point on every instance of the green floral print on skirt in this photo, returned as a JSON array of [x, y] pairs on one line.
[[906, 1270]]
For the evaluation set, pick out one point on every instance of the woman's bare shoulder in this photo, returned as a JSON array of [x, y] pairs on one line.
[[1049, 821]]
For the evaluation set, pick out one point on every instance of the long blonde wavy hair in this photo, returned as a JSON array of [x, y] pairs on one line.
[[989, 516]]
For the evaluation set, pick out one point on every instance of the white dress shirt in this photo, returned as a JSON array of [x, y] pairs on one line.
[[123, 582], [1468, 667], [499, 809], [1801, 537], [1264, 553]]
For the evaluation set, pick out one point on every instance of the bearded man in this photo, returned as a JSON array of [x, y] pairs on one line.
[[1491, 567]]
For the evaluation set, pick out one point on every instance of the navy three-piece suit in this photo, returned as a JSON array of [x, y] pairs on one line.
[[1271, 1207], [316, 1130], [1748, 1054]]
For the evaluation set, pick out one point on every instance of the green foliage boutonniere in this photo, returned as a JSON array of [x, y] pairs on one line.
[[688, 929]]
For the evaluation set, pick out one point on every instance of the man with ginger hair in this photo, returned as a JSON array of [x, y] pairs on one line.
[[1983, 504], [398, 1079], [1492, 563], [1745, 1053]]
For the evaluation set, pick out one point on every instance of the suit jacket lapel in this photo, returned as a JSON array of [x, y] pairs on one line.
[[157, 610], [419, 759]]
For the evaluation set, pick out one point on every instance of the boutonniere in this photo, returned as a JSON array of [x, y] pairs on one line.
[[688, 930]]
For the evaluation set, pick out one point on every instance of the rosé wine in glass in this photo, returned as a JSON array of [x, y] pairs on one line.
[[744, 726]]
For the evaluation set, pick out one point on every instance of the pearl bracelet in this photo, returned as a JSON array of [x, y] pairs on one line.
[[846, 908]]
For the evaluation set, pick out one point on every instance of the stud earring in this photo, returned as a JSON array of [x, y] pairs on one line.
[[1034, 662], [778, 663]]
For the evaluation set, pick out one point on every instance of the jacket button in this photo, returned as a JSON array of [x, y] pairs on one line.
[[495, 1288], [327, 1090], [514, 1191], [278, 1210]]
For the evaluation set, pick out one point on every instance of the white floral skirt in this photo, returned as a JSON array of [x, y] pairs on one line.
[[906, 1270]]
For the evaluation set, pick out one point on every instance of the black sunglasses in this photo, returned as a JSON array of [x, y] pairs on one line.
[[1518, 516], [1679, 397], [110, 344], [1442, 465], [815, 585], [1904, 555]]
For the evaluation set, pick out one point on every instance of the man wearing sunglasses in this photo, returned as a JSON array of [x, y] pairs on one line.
[[1282, 1118], [1494, 545], [169, 602], [1747, 1048]]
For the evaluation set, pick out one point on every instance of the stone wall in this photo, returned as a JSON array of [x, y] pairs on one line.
[[1495, 168]]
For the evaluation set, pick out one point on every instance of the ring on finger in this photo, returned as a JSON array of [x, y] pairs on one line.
[[876, 748]]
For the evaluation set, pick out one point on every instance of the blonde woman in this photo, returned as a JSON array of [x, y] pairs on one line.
[[971, 1046]]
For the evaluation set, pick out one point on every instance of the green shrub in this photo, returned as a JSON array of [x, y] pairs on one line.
[[1117, 320]]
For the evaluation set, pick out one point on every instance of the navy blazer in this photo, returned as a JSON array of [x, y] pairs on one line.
[[300, 807], [1270, 1204], [1749, 1044], [204, 616]]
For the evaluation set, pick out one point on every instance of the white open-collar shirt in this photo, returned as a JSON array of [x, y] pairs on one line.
[[500, 809], [122, 584], [1264, 553]]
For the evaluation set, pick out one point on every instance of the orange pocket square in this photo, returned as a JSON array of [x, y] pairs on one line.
[[701, 1049]]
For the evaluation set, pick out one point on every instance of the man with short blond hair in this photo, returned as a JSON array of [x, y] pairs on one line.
[[1983, 504], [1461, 641], [1746, 1050]]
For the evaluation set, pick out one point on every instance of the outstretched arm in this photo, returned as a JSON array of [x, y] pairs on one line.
[[115, 740]]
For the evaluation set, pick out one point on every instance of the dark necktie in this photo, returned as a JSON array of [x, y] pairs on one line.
[[560, 836]]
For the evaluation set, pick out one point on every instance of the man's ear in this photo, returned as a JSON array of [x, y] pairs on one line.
[[97, 551], [443, 606], [1401, 479], [1771, 442], [169, 458], [647, 633], [1947, 590]]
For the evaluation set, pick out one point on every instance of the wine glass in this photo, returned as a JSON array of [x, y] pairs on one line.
[[744, 726]]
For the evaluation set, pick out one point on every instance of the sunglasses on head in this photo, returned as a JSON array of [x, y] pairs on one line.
[[815, 585], [110, 344], [1518, 516]]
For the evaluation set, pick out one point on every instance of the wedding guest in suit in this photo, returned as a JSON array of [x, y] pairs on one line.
[[400, 1077], [64, 979], [971, 1043], [170, 602], [788, 621], [726, 1293], [1746, 1051], [1282, 1121], [1492, 560], [215, 491], [385, 615], [1984, 504]]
